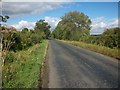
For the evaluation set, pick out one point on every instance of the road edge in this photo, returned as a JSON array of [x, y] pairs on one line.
[[44, 76]]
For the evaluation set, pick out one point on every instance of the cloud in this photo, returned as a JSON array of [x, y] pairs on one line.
[[114, 23], [24, 24], [24, 8], [95, 0], [98, 24], [60, 0], [30, 25], [37, 0], [52, 22], [101, 23]]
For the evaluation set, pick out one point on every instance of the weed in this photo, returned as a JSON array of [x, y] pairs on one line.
[[24, 71]]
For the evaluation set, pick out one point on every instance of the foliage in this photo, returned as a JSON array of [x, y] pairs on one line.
[[8, 39], [73, 26], [4, 18], [16, 40], [76, 26], [109, 38], [25, 30], [10, 57], [24, 69], [23, 53], [43, 26]]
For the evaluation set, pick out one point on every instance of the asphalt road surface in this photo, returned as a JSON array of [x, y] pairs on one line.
[[74, 67]]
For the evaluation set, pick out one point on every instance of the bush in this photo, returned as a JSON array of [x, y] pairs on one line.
[[17, 42], [35, 38], [10, 57]]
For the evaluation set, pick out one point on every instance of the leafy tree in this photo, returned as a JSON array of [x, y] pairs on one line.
[[43, 26], [111, 31], [36, 36], [71, 24], [111, 37]]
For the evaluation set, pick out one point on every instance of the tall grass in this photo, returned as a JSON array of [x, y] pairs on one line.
[[97, 48], [24, 70]]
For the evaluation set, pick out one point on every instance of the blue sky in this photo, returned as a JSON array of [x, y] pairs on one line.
[[103, 14]]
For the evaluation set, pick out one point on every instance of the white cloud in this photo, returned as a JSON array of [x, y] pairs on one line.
[[98, 24], [30, 25], [52, 22], [37, 0], [60, 0], [24, 24], [98, 19], [114, 23], [101, 23], [23, 8]]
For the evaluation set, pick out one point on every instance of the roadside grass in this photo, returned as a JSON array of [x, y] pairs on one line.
[[97, 48], [24, 71]]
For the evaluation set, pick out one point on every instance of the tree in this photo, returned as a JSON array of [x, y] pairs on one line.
[[4, 18], [71, 24], [24, 30], [17, 45], [111, 37], [43, 26]]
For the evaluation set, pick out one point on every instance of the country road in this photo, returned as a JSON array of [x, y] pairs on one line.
[[74, 67]]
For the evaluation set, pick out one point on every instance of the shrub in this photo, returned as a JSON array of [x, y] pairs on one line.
[[35, 38], [10, 57]]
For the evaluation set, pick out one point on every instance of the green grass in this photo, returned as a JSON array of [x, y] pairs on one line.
[[24, 71], [97, 48]]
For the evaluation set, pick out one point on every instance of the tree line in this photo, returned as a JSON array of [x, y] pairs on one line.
[[17, 40], [76, 26], [73, 26], [14, 40]]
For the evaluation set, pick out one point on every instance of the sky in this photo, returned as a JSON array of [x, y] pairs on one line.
[[24, 14]]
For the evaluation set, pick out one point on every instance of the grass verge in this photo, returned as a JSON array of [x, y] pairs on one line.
[[24, 70], [97, 48]]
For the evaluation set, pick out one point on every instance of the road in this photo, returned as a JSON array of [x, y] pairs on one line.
[[74, 67]]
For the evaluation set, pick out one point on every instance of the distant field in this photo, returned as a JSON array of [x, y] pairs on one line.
[[100, 49], [24, 71]]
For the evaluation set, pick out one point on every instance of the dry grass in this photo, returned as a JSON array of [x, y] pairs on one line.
[[97, 48], [24, 71]]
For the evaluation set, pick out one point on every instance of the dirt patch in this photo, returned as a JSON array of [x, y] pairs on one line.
[[44, 73]]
